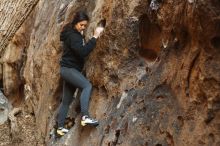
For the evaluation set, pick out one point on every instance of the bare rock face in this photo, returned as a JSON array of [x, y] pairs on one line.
[[155, 72], [5, 108]]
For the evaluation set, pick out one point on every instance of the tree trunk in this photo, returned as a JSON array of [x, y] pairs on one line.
[[12, 14]]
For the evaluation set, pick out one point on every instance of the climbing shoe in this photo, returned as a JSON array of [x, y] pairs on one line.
[[61, 131], [86, 120]]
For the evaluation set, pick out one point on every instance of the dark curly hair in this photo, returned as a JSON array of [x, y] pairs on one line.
[[78, 17]]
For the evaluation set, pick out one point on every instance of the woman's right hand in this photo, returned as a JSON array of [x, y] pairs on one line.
[[98, 32]]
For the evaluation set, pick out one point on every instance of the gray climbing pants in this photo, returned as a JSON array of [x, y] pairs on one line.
[[73, 79]]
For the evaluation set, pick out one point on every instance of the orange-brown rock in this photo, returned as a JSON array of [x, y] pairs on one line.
[[155, 72]]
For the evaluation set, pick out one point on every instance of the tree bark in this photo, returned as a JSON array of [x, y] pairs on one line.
[[12, 14]]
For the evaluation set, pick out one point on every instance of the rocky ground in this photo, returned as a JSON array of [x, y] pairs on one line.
[[26, 135]]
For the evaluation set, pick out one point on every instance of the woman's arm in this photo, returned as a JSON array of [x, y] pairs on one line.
[[76, 44]]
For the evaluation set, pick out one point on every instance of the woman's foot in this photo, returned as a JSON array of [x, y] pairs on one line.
[[61, 131], [86, 120]]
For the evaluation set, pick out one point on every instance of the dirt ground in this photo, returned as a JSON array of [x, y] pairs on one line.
[[26, 135]]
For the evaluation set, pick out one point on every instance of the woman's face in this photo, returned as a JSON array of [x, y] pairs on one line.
[[81, 26]]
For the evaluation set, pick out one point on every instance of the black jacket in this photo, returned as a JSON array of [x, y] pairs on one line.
[[75, 50]]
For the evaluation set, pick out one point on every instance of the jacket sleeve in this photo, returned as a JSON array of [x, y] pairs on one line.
[[76, 44]]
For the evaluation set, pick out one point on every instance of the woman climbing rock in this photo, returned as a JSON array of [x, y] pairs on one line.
[[72, 62]]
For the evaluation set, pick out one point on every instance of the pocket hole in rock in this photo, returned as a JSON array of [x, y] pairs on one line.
[[150, 39], [215, 41], [2, 109], [160, 97], [146, 144]]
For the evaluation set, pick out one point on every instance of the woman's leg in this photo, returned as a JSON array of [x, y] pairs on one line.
[[67, 98], [75, 78]]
